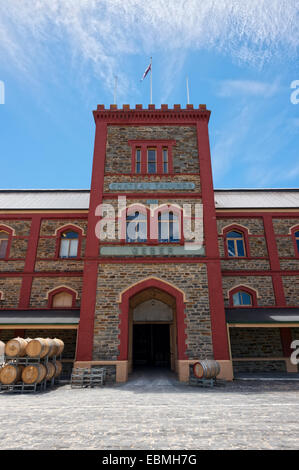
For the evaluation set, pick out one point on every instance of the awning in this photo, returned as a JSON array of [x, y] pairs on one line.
[[39, 317], [262, 315]]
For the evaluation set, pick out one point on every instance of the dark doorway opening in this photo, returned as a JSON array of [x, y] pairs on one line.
[[151, 345]]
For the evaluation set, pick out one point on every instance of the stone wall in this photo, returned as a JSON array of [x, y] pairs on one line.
[[11, 287], [119, 154], [291, 290], [263, 285], [114, 278], [256, 343], [41, 286]]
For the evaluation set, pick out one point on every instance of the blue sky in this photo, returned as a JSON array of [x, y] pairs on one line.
[[59, 59]]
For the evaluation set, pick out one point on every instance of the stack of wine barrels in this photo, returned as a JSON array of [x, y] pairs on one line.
[[43, 349]]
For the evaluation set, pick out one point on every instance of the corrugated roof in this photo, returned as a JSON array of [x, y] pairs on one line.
[[256, 198], [32, 199], [78, 199]]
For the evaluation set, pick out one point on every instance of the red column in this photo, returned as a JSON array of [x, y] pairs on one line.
[[217, 312], [143, 160], [24, 301], [286, 340], [90, 273], [274, 261]]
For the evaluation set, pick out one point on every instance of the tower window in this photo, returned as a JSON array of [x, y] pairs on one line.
[[165, 160], [136, 230], [138, 160], [151, 161], [168, 226]]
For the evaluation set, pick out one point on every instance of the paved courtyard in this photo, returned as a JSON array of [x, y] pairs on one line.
[[154, 411]]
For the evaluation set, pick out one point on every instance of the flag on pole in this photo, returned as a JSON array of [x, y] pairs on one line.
[[146, 71]]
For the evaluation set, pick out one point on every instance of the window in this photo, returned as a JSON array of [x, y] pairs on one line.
[[151, 161], [241, 298], [168, 227], [297, 240], [165, 160], [136, 227], [63, 299], [138, 160], [4, 237], [235, 244], [69, 244]]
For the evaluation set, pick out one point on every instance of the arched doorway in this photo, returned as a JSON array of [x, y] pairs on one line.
[[156, 308], [152, 329]]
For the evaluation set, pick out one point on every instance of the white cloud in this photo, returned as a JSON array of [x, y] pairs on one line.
[[103, 33]]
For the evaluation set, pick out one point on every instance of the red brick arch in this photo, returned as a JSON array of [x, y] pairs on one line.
[[124, 314]]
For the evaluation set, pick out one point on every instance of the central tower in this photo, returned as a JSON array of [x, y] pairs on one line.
[[152, 158]]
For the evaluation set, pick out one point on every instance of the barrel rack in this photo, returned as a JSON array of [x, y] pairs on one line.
[[21, 387], [85, 377]]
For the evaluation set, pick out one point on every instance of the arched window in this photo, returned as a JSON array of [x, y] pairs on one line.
[[136, 227], [69, 242], [62, 299], [168, 227], [235, 244], [4, 237], [296, 234], [241, 298]]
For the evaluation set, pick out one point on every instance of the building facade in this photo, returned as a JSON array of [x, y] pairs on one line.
[[111, 272]]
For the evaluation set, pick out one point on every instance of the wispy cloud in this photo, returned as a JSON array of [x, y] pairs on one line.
[[102, 33], [229, 88]]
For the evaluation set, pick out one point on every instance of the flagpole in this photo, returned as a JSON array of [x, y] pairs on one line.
[[187, 85], [151, 84]]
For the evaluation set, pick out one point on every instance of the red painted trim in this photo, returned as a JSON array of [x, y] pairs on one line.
[[274, 260], [286, 340], [244, 231], [9, 231], [217, 312], [124, 315], [254, 214], [89, 289], [25, 293], [66, 228], [246, 289], [296, 250], [153, 195], [58, 291]]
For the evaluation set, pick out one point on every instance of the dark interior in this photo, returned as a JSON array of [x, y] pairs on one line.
[[151, 345]]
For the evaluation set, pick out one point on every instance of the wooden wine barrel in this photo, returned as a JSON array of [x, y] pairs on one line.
[[60, 346], [50, 370], [57, 346], [38, 347], [11, 374], [206, 369], [58, 368], [34, 373], [16, 347], [2, 349]]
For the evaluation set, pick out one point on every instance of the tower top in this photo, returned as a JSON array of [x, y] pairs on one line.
[[155, 115]]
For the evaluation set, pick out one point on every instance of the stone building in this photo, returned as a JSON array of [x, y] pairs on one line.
[[139, 292]]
